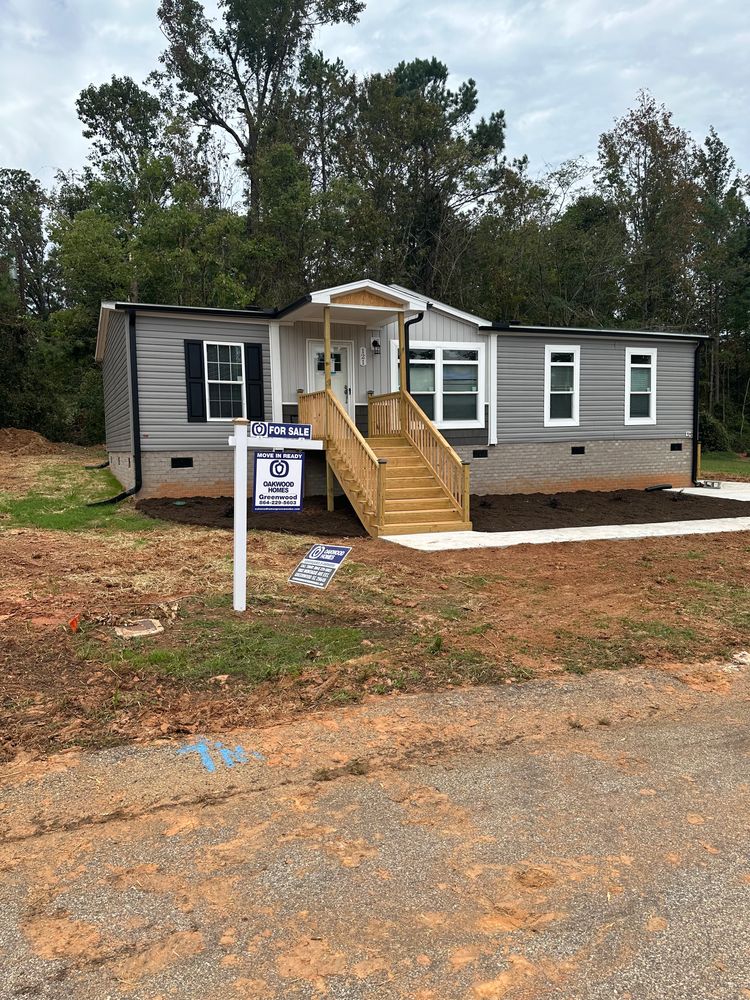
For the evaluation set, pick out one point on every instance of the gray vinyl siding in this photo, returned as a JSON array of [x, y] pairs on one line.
[[520, 390], [116, 378], [161, 378]]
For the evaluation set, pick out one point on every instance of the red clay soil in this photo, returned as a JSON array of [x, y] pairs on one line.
[[515, 512], [16, 441]]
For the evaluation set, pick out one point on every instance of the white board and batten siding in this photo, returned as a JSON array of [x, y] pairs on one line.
[[160, 340], [520, 388], [118, 417]]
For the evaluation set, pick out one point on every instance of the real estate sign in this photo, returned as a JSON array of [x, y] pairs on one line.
[[278, 480], [319, 565]]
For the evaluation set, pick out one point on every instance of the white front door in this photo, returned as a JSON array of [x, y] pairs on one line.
[[341, 372]]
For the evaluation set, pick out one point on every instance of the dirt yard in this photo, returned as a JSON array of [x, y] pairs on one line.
[[394, 621], [515, 512]]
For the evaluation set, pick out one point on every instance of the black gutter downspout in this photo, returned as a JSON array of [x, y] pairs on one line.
[[136, 420], [410, 322], [696, 411]]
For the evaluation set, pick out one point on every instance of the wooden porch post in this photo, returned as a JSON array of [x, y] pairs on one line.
[[327, 345], [403, 362], [327, 370]]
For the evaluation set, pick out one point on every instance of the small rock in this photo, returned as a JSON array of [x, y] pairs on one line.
[[743, 659], [220, 678]]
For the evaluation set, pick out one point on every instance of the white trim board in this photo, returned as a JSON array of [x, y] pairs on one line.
[[455, 540]]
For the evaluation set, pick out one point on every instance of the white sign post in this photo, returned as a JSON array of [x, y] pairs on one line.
[[264, 436], [239, 582]]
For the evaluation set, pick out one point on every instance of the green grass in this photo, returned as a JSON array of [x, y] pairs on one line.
[[723, 464], [247, 650], [60, 503]]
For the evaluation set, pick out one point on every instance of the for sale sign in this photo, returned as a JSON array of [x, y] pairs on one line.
[[278, 480]]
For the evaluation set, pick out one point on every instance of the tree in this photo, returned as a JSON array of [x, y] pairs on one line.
[[722, 261], [23, 239], [645, 170], [236, 75], [425, 165]]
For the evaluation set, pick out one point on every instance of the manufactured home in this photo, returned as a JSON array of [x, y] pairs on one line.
[[418, 404]]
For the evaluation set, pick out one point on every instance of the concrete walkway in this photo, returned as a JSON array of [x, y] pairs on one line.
[[451, 540]]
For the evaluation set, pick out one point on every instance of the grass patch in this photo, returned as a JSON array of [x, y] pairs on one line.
[[724, 465], [60, 504], [247, 650]]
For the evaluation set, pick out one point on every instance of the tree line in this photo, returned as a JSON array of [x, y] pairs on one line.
[[249, 168]]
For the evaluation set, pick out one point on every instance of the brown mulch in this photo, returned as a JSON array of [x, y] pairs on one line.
[[523, 512], [514, 512], [218, 512]]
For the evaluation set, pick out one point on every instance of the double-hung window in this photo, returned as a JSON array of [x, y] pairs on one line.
[[446, 381], [562, 379], [225, 381], [640, 385]]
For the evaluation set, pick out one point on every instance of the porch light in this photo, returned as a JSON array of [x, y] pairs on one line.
[[375, 345]]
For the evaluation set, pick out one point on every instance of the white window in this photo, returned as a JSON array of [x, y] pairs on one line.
[[640, 385], [225, 381], [447, 381], [562, 380]]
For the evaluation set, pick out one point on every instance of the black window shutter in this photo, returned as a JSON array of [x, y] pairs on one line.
[[194, 381], [254, 381]]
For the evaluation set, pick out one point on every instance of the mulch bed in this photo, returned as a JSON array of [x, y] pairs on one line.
[[514, 512], [523, 512], [218, 512]]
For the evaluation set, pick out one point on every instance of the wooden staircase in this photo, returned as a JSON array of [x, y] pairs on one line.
[[415, 500], [404, 478]]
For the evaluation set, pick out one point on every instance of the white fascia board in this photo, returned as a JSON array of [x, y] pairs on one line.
[[448, 310], [105, 311]]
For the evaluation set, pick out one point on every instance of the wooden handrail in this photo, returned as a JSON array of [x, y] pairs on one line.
[[348, 450], [398, 413], [383, 415], [435, 450]]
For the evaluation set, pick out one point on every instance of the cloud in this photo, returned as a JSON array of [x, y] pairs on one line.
[[561, 69]]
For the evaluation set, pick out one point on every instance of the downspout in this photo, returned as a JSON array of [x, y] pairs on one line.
[[696, 411], [410, 322], [136, 420]]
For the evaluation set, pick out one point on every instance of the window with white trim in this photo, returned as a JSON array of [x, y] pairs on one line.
[[446, 380], [640, 385], [225, 381], [562, 381]]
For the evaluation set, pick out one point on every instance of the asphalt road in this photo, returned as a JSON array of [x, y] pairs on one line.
[[570, 840]]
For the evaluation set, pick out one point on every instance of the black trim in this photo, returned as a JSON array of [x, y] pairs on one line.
[[249, 312], [409, 323], [195, 382], [278, 313], [696, 412], [254, 401], [136, 419], [513, 328]]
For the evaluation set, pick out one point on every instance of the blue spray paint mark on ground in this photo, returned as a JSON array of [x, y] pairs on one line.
[[227, 756]]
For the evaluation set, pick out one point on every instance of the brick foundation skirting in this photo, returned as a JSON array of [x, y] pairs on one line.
[[122, 467], [524, 467], [549, 467], [212, 474]]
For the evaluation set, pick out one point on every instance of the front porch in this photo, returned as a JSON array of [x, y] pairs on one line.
[[400, 474]]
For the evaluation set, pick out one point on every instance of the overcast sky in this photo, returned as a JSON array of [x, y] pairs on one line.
[[562, 70]]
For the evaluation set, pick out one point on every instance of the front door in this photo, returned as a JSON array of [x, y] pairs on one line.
[[341, 372]]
